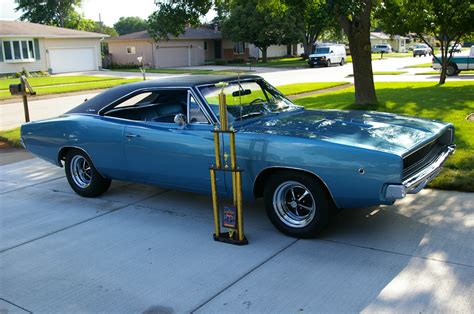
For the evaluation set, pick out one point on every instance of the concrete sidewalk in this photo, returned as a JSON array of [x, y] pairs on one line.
[[144, 249]]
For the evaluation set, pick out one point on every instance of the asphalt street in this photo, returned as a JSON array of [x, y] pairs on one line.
[[144, 249]]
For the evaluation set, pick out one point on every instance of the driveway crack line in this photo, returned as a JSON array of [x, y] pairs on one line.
[[244, 275], [398, 253], [82, 222], [27, 186], [15, 305]]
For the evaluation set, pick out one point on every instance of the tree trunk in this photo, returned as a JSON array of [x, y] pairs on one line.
[[357, 30], [308, 47], [362, 67], [444, 59], [264, 54]]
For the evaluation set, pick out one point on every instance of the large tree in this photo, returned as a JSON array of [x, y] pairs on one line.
[[355, 18], [171, 17], [89, 25], [447, 21], [60, 13], [314, 18], [130, 24], [260, 25]]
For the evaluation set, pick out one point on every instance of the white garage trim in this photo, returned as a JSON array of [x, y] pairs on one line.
[[72, 59]]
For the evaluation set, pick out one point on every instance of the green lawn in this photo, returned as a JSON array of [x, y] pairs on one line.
[[451, 102], [438, 72], [386, 73], [63, 87], [11, 136], [421, 65], [299, 88], [54, 80]]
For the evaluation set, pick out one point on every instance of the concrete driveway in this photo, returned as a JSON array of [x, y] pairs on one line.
[[144, 249]]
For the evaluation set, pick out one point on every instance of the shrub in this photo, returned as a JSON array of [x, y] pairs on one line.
[[123, 66], [221, 62], [238, 60]]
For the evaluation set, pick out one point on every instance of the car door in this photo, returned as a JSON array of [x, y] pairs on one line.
[[171, 155]]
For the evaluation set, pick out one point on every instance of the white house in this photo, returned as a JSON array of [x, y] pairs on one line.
[[36, 47], [276, 51], [397, 42]]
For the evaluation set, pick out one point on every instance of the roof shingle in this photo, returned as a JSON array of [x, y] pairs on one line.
[[22, 29], [189, 33]]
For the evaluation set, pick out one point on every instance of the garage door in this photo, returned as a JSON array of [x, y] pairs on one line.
[[72, 59], [172, 57]]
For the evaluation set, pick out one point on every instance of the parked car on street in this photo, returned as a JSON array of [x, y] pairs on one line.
[[304, 163], [455, 48], [328, 55], [421, 50], [385, 48], [458, 62]]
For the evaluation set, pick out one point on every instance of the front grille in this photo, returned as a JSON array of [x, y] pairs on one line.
[[426, 154]]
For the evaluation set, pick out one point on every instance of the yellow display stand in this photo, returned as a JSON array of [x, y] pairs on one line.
[[235, 223]]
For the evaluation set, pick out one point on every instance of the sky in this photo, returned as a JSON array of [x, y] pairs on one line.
[[110, 11]]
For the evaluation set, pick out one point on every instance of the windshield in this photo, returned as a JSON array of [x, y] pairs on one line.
[[322, 50], [247, 99]]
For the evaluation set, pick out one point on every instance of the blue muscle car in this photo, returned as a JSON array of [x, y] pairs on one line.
[[304, 163]]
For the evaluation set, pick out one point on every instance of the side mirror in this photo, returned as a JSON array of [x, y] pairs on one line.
[[332, 51], [180, 119]]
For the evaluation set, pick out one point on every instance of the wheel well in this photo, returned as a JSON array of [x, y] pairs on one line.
[[62, 154], [259, 183], [453, 64]]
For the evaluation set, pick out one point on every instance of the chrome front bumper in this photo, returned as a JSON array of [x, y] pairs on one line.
[[419, 180]]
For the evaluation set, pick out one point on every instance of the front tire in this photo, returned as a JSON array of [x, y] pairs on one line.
[[342, 61], [82, 176], [297, 204], [328, 63]]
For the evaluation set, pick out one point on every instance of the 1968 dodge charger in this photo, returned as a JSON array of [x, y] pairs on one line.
[[304, 163]]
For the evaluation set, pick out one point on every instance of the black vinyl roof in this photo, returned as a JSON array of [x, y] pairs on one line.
[[98, 102]]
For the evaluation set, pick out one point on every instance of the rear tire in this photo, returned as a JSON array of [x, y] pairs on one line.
[[82, 176], [297, 204], [451, 69]]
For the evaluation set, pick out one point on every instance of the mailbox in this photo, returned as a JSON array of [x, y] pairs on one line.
[[16, 89]]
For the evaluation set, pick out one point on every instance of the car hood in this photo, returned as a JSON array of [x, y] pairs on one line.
[[317, 55], [379, 131]]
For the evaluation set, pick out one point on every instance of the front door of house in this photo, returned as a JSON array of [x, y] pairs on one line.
[[217, 49]]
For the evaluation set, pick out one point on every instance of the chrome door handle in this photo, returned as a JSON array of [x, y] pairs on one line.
[[130, 136]]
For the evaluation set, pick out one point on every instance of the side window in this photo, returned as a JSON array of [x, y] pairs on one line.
[[134, 100], [195, 113], [158, 106]]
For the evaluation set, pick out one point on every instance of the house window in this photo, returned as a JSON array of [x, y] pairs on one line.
[[18, 50], [205, 45], [239, 47], [131, 50]]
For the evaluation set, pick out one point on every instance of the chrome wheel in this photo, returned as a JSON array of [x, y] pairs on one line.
[[81, 172], [294, 204]]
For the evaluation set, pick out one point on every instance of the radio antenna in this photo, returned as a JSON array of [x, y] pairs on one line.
[[240, 94]]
